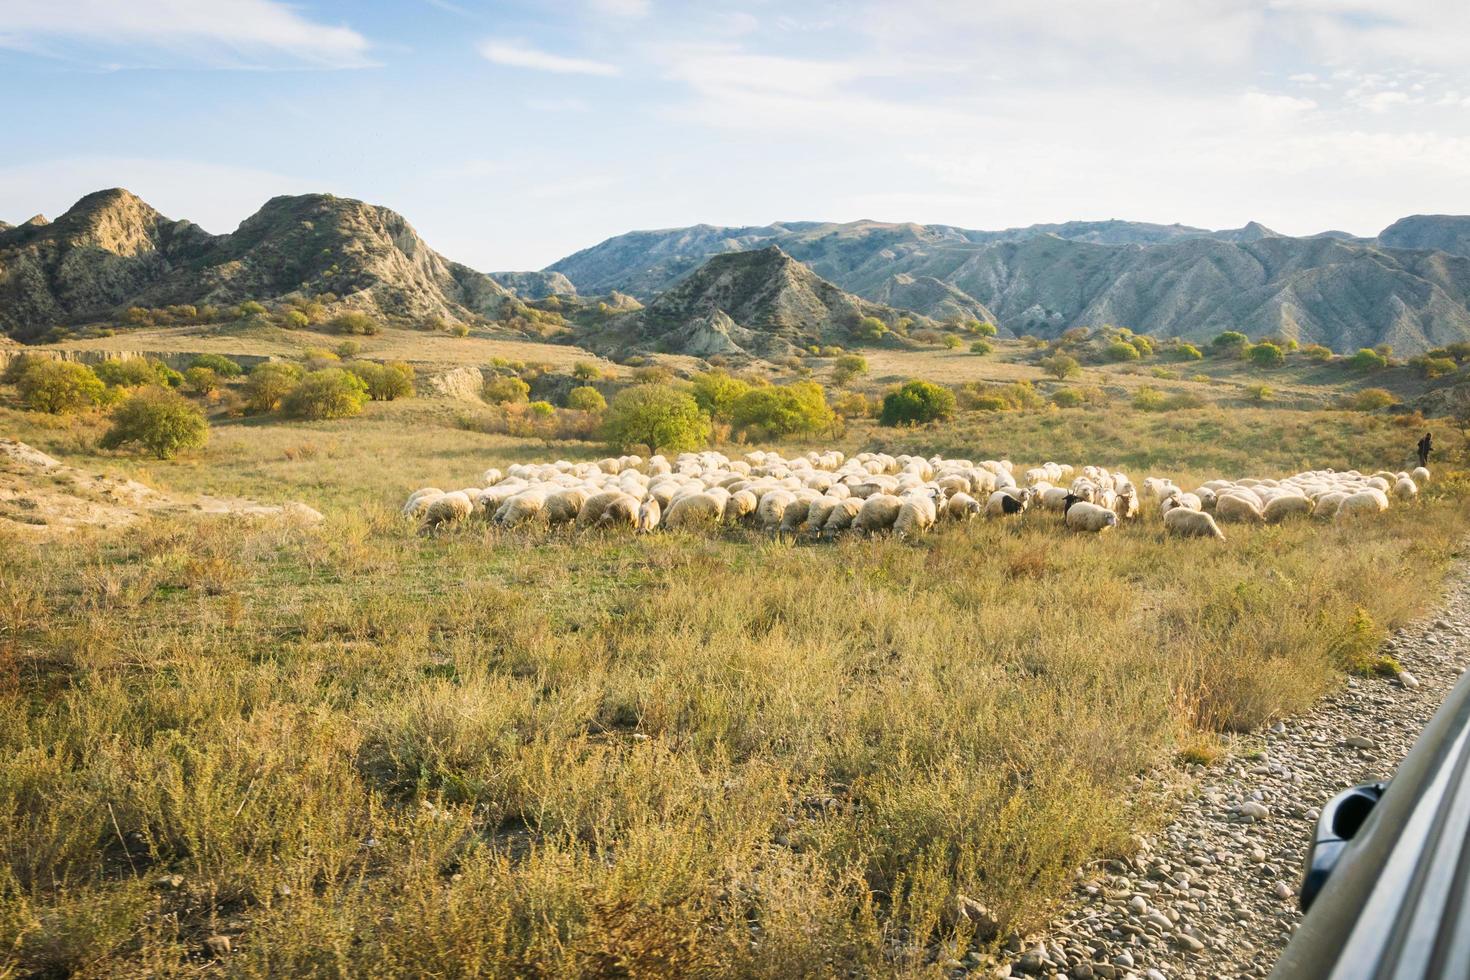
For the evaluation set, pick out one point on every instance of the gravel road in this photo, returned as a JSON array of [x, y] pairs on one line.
[[1213, 895]]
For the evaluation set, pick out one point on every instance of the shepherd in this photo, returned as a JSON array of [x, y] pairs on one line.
[[1426, 446]]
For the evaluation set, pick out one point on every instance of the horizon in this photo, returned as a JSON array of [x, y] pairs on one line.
[[512, 134]]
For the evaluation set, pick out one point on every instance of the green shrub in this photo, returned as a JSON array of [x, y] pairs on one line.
[[1061, 366], [1434, 367], [1259, 392], [656, 416], [459, 330], [354, 322], [385, 382], [247, 309], [586, 371], [295, 320], [1316, 352], [129, 372], [1203, 379], [1187, 352], [716, 392], [268, 383], [847, 367], [586, 399], [219, 364], [505, 389], [982, 347], [870, 328], [917, 402], [952, 341], [1267, 355], [161, 421], [59, 386], [1231, 343], [984, 329], [347, 349], [330, 393], [543, 409], [1369, 400], [1366, 360], [1067, 398], [1119, 351], [772, 411], [201, 380]]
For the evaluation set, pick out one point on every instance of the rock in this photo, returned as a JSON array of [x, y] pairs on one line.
[[1138, 904], [1031, 962], [1359, 742], [217, 946], [1253, 810], [1188, 942], [1284, 891], [1124, 959], [978, 915], [1082, 971], [1408, 680]]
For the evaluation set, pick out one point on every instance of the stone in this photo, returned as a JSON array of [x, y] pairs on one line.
[[217, 946], [1253, 810], [1408, 680], [1189, 943], [1359, 742], [1284, 891]]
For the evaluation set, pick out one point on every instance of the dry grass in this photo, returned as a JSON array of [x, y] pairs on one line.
[[365, 752]]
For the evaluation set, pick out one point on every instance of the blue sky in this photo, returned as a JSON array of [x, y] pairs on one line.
[[512, 133]]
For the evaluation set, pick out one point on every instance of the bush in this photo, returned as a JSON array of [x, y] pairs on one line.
[[1119, 351], [854, 405], [268, 384], [129, 372], [161, 421], [354, 322], [1369, 400], [1229, 344], [586, 371], [295, 320], [1259, 392], [917, 402], [347, 349], [1316, 352], [505, 389], [59, 386], [984, 329], [330, 393], [1434, 367], [982, 347], [543, 409], [248, 309], [847, 367], [1188, 352], [1067, 398], [459, 330], [1061, 366], [1267, 355], [1144, 345], [1202, 379], [716, 392], [952, 341], [1366, 360], [385, 382], [657, 416], [586, 399], [870, 328], [1148, 399], [774, 411], [201, 380], [219, 364]]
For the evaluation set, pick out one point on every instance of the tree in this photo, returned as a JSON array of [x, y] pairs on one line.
[[542, 409], [586, 371], [1267, 355], [161, 421], [385, 382], [1370, 399], [716, 392], [917, 402], [1188, 352], [59, 386], [1316, 352], [354, 322], [871, 328], [129, 372], [268, 384], [1061, 366], [1433, 367], [504, 389], [586, 399], [330, 393], [847, 367], [219, 364], [1120, 350], [981, 347], [201, 380], [658, 416], [774, 411], [952, 341], [1367, 359], [984, 328], [1229, 344], [1144, 345]]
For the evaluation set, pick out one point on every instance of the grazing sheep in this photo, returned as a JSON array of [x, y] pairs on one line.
[[1286, 506], [772, 508], [1179, 498], [916, 516], [1405, 489], [794, 516], [1126, 504], [450, 508], [1420, 475], [1084, 516], [563, 506], [524, 507], [742, 504], [817, 514], [842, 516], [694, 510], [1237, 509], [598, 505], [1003, 504], [649, 514], [1188, 523], [1362, 504], [961, 507], [420, 500], [1328, 504], [878, 513]]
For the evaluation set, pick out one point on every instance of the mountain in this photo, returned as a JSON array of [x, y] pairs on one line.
[[111, 250], [759, 303], [535, 285], [1440, 232], [1166, 280]]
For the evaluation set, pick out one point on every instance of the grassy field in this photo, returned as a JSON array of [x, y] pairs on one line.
[[351, 750]]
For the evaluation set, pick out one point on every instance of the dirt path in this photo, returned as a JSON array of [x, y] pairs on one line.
[[1213, 895]]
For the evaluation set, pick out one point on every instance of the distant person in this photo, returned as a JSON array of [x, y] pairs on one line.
[[1426, 446]]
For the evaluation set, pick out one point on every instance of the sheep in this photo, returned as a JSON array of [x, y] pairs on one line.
[[1362, 504], [878, 513], [772, 508], [1126, 504], [562, 507], [1328, 504], [1002, 504], [1237, 509], [961, 507], [1179, 498], [599, 505], [1420, 475], [649, 514], [916, 516], [1054, 498], [420, 500], [694, 510], [742, 504], [842, 516], [817, 514], [1188, 523], [794, 516], [526, 506], [1083, 516], [1286, 506], [449, 508], [1405, 489]]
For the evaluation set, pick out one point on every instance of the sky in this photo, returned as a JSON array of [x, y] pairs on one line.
[[512, 133]]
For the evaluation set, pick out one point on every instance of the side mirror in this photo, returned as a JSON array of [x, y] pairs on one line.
[[1339, 822]]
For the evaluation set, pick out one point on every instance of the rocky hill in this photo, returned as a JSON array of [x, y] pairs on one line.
[[1407, 288], [760, 303], [111, 251], [535, 285]]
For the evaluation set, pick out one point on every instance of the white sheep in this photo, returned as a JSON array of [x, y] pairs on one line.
[[524, 507], [1405, 489], [694, 510], [1362, 504], [961, 507], [1188, 523], [878, 513], [563, 506], [842, 516], [649, 515], [1420, 475], [1286, 506], [450, 508], [1084, 516], [916, 516], [1237, 508]]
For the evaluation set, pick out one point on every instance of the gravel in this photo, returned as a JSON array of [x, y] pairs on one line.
[[1213, 894]]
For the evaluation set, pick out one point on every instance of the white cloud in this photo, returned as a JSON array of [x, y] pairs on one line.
[[216, 33], [622, 8], [1303, 78], [558, 105], [1275, 108], [1383, 101], [519, 54]]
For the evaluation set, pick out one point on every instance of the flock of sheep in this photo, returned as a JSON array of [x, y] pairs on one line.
[[823, 495]]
